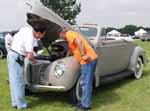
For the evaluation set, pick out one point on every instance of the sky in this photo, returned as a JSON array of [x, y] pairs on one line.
[[106, 13], [115, 13], [12, 15]]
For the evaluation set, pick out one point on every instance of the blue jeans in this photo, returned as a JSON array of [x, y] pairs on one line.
[[16, 79], [87, 76]]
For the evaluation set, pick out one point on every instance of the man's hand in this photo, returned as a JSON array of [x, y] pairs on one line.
[[86, 58], [29, 55]]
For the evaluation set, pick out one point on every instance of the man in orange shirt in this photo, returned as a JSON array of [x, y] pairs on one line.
[[87, 57]]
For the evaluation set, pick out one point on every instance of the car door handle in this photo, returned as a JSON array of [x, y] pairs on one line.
[[91, 38], [122, 47]]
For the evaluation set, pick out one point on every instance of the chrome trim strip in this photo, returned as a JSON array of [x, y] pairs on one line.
[[43, 88]]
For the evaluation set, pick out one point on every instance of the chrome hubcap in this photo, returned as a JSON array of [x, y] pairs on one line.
[[79, 90], [138, 68]]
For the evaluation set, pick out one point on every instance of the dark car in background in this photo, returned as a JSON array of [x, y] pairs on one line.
[[3, 51]]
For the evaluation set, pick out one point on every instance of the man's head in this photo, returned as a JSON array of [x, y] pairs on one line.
[[62, 34], [39, 29]]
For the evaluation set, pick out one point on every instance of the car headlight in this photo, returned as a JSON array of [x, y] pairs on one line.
[[59, 69]]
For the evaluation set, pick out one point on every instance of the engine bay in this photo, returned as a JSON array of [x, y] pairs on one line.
[[56, 51]]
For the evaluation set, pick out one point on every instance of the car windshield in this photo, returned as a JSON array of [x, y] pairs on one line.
[[88, 31], [1, 36]]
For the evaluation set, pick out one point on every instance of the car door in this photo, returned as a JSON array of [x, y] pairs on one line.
[[114, 57]]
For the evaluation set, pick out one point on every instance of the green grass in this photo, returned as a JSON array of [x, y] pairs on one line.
[[126, 95]]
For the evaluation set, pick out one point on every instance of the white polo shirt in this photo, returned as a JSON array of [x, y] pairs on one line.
[[23, 41]]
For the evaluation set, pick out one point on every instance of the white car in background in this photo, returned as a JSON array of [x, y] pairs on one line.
[[127, 38], [145, 37]]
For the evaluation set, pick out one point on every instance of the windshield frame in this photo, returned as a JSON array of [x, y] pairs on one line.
[[87, 33]]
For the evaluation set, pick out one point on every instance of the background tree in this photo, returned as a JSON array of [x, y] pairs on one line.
[[147, 29], [129, 29], [67, 9]]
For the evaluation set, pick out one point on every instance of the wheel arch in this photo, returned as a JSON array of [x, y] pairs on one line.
[[137, 52]]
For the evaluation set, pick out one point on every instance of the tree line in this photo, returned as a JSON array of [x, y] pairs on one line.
[[128, 29]]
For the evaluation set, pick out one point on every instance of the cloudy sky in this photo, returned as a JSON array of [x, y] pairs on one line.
[[12, 15], [115, 13]]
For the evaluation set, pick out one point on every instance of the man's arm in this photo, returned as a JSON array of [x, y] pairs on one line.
[[81, 49], [80, 45]]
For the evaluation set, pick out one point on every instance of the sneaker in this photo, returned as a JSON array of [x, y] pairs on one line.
[[24, 107], [81, 108], [15, 107]]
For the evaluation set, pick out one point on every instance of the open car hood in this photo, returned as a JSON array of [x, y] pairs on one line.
[[54, 22]]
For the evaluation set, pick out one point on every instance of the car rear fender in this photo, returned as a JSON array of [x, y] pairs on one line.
[[137, 52]]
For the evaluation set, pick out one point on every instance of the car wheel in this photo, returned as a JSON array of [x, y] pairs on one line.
[[138, 68], [76, 92], [1, 54]]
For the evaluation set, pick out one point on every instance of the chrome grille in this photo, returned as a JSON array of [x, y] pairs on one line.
[[37, 73]]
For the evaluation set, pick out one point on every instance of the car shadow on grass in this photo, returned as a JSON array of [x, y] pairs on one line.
[[146, 72], [104, 95], [49, 98], [107, 94]]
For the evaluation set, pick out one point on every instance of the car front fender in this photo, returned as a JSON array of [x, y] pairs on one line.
[[70, 74]]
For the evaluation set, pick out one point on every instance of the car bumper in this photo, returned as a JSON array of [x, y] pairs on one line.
[[44, 88]]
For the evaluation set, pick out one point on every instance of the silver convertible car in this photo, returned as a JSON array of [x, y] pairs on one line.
[[58, 73]]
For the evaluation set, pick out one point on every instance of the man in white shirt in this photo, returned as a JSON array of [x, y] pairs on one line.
[[22, 47]]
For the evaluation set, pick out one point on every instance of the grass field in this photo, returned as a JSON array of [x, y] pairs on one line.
[[126, 95]]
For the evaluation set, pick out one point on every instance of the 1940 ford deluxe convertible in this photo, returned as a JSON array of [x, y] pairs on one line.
[[56, 72]]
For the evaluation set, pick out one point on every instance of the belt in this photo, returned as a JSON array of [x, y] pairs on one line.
[[17, 52]]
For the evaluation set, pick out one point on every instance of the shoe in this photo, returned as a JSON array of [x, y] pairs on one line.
[[15, 107], [7, 81], [24, 107], [81, 108], [78, 104]]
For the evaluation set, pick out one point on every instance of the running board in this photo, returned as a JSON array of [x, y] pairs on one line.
[[115, 77]]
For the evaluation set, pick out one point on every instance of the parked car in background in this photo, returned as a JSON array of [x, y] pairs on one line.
[[145, 37], [136, 37], [3, 51], [56, 72], [2, 35]]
